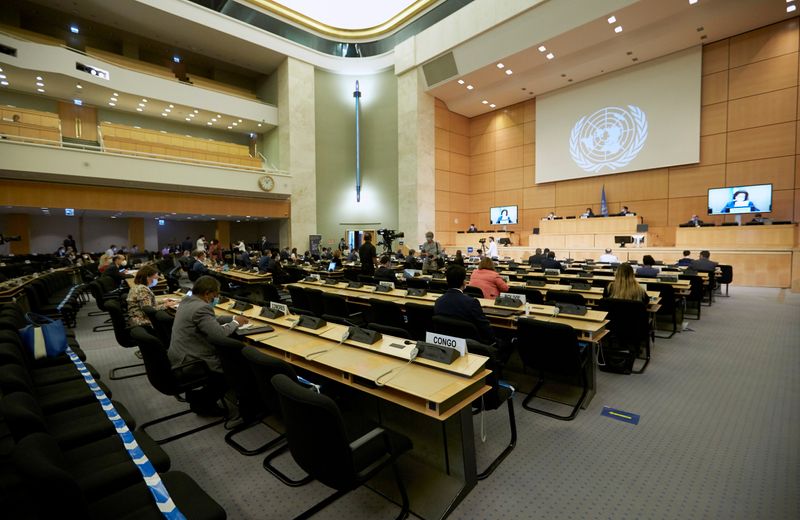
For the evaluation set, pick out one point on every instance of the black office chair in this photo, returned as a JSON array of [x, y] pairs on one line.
[[420, 319], [335, 459], [162, 322], [316, 303], [455, 327], [553, 297], [299, 298], [475, 292], [264, 367], [710, 288], [123, 337], [387, 313], [552, 349], [669, 305], [100, 298], [531, 295], [336, 305], [41, 464], [494, 399], [417, 283], [388, 330], [630, 333], [367, 279], [725, 278], [171, 381], [695, 296]]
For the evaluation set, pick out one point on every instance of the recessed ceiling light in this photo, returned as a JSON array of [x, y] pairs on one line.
[[492, 105], [470, 87], [164, 114], [196, 112], [112, 104], [115, 94], [113, 99], [612, 19], [259, 124], [618, 29], [542, 48], [172, 106], [39, 90], [240, 120], [214, 119], [74, 29], [141, 105], [500, 65], [4, 83], [461, 82], [692, 2], [78, 86], [230, 127], [139, 109], [509, 72], [168, 110], [2, 76], [209, 123], [191, 115], [485, 102], [550, 56], [38, 83], [235, 123], [38, 78], [791, 8], [218, 116], [144, 100]]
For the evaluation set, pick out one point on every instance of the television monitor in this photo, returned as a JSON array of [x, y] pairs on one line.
[[735, 200], [503, 215]]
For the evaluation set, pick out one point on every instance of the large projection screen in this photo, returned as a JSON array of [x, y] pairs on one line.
[[646, 116]]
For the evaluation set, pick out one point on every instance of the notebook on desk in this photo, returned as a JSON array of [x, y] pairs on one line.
[[501, 313]]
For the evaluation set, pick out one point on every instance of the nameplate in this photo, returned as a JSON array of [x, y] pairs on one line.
[[331, 281], [459, 344], [413, 291], [552, 272], [507, 299], [390, 285]]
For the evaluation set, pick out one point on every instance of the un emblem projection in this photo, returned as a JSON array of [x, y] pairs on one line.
[[608, 139]]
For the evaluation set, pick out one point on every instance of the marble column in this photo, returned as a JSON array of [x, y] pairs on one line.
[[416, 176], [297, 148]]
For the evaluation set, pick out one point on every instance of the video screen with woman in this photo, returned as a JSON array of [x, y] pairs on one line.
[[740, 199], [503, 215]]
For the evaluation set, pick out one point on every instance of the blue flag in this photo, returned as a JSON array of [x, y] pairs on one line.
[[603, 205]]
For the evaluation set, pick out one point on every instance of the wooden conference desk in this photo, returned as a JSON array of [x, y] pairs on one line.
[[780, 236], [429, 402]]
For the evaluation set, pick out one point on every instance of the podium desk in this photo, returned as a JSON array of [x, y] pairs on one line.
[[465, 240], [429, 402], [619, 225], [737, 237]]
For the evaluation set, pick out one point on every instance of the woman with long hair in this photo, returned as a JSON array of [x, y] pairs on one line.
[[141, 295], [625, 286]]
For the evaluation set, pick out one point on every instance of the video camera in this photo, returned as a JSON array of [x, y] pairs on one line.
[[4, 239], [388, 236]]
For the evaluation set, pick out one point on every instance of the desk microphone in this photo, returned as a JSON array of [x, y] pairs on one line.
[[294, 324], [344, 336]]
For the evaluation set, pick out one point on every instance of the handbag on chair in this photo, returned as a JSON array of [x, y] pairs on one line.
[[44, 337]]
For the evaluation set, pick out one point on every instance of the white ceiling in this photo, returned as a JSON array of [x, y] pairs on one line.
[[650, 29], [348, 14]]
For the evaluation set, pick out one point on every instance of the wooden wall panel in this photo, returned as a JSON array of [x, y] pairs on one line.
[[714, 88], [695, 180], [442, 180], [779, 171], [459, 144], [761, 44], [763, 76], [459, 163], [542, 196], [459, 182], [481, 163], [774, 107], [715, 57], [714, 119], [712, 149], [509, 137], [459, 124], [508, 179], [761, 143]]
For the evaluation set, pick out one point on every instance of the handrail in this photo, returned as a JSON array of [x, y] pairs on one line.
[[35, 141], [271, 167]]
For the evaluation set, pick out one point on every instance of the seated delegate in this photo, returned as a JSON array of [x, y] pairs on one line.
[[141, 296], [648, 268], [487, 280], [456, 304], [625, 286]]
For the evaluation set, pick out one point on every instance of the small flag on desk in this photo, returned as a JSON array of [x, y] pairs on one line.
[[603, 205]]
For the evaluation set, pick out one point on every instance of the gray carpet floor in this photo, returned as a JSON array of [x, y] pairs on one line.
[[719, 435]]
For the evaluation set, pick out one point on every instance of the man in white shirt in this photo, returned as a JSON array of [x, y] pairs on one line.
[[201, 243], [492, 253], [608, 258]]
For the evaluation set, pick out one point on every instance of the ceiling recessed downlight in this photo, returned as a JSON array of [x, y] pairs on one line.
[[612, 19], [470, 87]]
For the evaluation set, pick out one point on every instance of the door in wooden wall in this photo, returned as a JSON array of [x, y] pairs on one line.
[[78, 122]]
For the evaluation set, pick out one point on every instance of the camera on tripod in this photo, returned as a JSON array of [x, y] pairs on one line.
[[388, 236], [482, 240]]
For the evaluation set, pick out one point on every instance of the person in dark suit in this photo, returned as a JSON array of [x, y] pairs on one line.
[[648, 269], [266, 264], [695, 221], [456, 304], [703, 263], [458, 259], [537, 258], [70, 242], [198, 267], [625, 211], [686, 260], [385, 273], [187, 244], [368, 256], [551, 263]]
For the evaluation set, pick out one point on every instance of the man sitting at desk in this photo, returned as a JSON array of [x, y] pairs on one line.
[[243, 260], [625, 212], [472, 229], [266, 263], [195, 322], [384, 273], [198, 266], [551, 263], [537, 258], [648, 269], [703, 263], [608, 258], [588, 213], [116, 270], [695, 221], [686, 260], [456, 304]]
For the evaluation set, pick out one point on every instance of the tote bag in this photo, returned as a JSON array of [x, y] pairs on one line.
[[44, 337]]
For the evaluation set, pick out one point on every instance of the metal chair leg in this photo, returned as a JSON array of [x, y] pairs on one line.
[[112, 374]]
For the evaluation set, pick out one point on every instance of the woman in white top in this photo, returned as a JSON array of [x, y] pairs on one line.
[[492, 253]]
